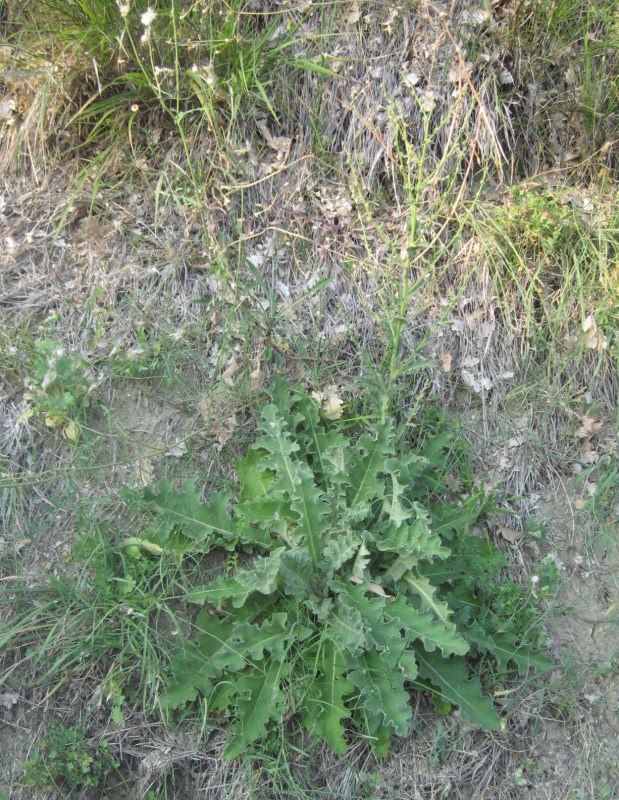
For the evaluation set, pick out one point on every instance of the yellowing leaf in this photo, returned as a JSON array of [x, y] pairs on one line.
[[53, 419], [71, 431], [594, 337], [330, 402], [370, 587], [233, 367], [177, 450], [446, 362], [25, 415], [588, 427], [143, 473]]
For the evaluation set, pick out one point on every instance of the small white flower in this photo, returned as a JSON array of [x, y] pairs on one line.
[[205, 71], [534, 579], [148, 17], [124, 9]]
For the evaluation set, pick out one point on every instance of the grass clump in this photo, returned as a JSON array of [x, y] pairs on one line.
[[129, 68]]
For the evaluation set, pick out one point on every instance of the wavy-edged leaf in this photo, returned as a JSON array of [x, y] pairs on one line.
[[366, 465], [270, 637], [346, 628], [260, 700], [278, 450], [190, 676], [382, 695], [506, 649], [424, 627], [450, 675], [362, 559], [472, 557], [413, 538], [310, 505], [218, 591], [297, 571], [327, 447], [254, 480], [214, 641], [338, 550], [382, 633], [294, 481], [208, 523], [196, 666], [423, 590], [393, 507], [325, 703], [264, 574]]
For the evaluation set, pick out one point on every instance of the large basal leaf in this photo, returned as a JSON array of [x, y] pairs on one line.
[[325, 701], [366, 465], [472, 558], [346, 628], [338, 550], [278, 453], [455, 519], [422, 589], [383, 631], [264, 574], [506, 649], [208, 523], [297, 571], [396, 511], [217, 592], [309, 503], [424, 627], [197, 665], [254, 481], [260, 700], [327, 448], [450, 675], [413, 538], [270, 637], [294, 481], [216, 646], [190, 676], [382, 695]]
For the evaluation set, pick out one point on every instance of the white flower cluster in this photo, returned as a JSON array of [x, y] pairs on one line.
[[147, 19]]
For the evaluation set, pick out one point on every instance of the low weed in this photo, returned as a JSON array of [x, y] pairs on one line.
[[68, 759], [58, 387], [361, 586], [348, 577]]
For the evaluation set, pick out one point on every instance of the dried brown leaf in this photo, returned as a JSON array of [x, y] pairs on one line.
[[510, 535]]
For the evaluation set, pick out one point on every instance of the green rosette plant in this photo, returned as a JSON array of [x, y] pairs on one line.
[[358, 582]]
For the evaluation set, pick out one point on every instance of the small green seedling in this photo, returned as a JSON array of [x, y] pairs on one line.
[[59, 387], [67, 759]]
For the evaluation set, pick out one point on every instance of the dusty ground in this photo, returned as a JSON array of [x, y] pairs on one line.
[[563, 730]]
